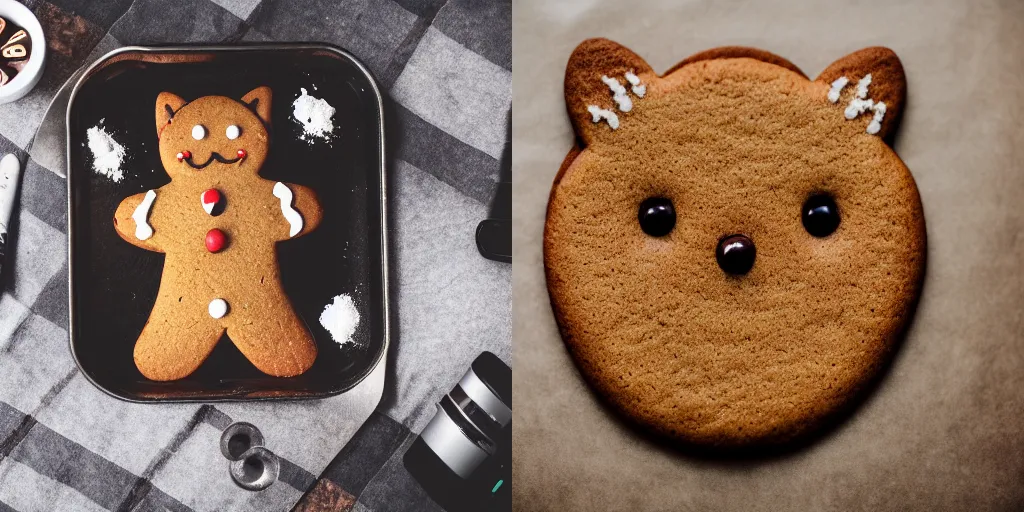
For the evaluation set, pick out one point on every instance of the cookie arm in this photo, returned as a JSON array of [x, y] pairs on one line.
[[303, 201], [129, 229]]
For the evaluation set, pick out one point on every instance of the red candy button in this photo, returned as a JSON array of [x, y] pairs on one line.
[[241, 153], [210, 199], [215, 239], [211, 196], [183, 155]]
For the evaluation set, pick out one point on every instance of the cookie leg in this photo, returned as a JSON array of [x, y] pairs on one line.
[[178, 337], [275, 340]]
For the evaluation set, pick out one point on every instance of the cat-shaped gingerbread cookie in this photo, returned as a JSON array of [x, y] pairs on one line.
[[732, 249], [217, 222]]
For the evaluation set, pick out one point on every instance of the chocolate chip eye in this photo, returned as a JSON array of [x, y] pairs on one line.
[[736, 254], [820, 215], [657, 216]]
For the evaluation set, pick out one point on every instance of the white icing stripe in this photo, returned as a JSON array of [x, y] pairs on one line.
[[857, 107], [862, 86], [282, 192], [876, 122], [600, 113], [859, 103], [142, 228], [837, 87], [619, 93], [637, 88]]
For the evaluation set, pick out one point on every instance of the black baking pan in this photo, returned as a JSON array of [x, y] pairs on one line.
[[113, 284]]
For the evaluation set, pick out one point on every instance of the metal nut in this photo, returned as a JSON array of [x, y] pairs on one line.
[[238, 438], [256, 470]]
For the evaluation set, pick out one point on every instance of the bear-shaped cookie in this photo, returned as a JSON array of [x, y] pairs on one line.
[[732, 250], [218, 222]]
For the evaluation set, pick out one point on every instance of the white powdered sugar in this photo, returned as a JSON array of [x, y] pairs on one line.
[[340, 318], [315, 115], [107, 154]]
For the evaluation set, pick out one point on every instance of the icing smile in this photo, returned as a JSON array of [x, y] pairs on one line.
[[213, 156]]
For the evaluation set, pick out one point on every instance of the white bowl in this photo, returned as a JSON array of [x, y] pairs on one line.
[[29, 76]]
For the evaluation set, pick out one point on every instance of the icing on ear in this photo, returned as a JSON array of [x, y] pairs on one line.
[[603, 82], [599, 114], [166, 105], [837, 88], [619, 94], [881, 88], [637, 87]]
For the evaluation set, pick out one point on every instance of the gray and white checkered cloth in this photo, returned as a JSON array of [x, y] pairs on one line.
[[65, 445]]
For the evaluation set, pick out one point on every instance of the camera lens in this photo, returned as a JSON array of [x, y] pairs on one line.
[[462, 458]]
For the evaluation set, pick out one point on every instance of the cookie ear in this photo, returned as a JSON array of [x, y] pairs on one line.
[[258, 100], [887, 85], [602, 81], [167, 104]]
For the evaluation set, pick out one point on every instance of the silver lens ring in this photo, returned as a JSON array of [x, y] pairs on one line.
[[238, 438], [256, 470]]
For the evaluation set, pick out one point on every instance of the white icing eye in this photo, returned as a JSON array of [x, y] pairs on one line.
[[233, 132], [198, 132]]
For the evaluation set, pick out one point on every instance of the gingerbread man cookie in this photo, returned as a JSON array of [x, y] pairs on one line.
[[732, 249], [218, 222]]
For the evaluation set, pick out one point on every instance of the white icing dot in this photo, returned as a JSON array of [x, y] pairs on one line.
[[198, 132], [218, 308], [232, 132]]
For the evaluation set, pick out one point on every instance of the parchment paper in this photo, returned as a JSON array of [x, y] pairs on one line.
[[943, 428]]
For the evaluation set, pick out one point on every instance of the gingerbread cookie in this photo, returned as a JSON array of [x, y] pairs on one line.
[[732, 250], [217, 222]]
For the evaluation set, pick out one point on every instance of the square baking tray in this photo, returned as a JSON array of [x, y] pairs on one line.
[[113, 284]]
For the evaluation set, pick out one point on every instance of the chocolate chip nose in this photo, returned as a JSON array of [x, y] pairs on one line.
[[735, 254]]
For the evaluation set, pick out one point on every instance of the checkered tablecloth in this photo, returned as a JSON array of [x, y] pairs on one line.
[[66, 446]]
